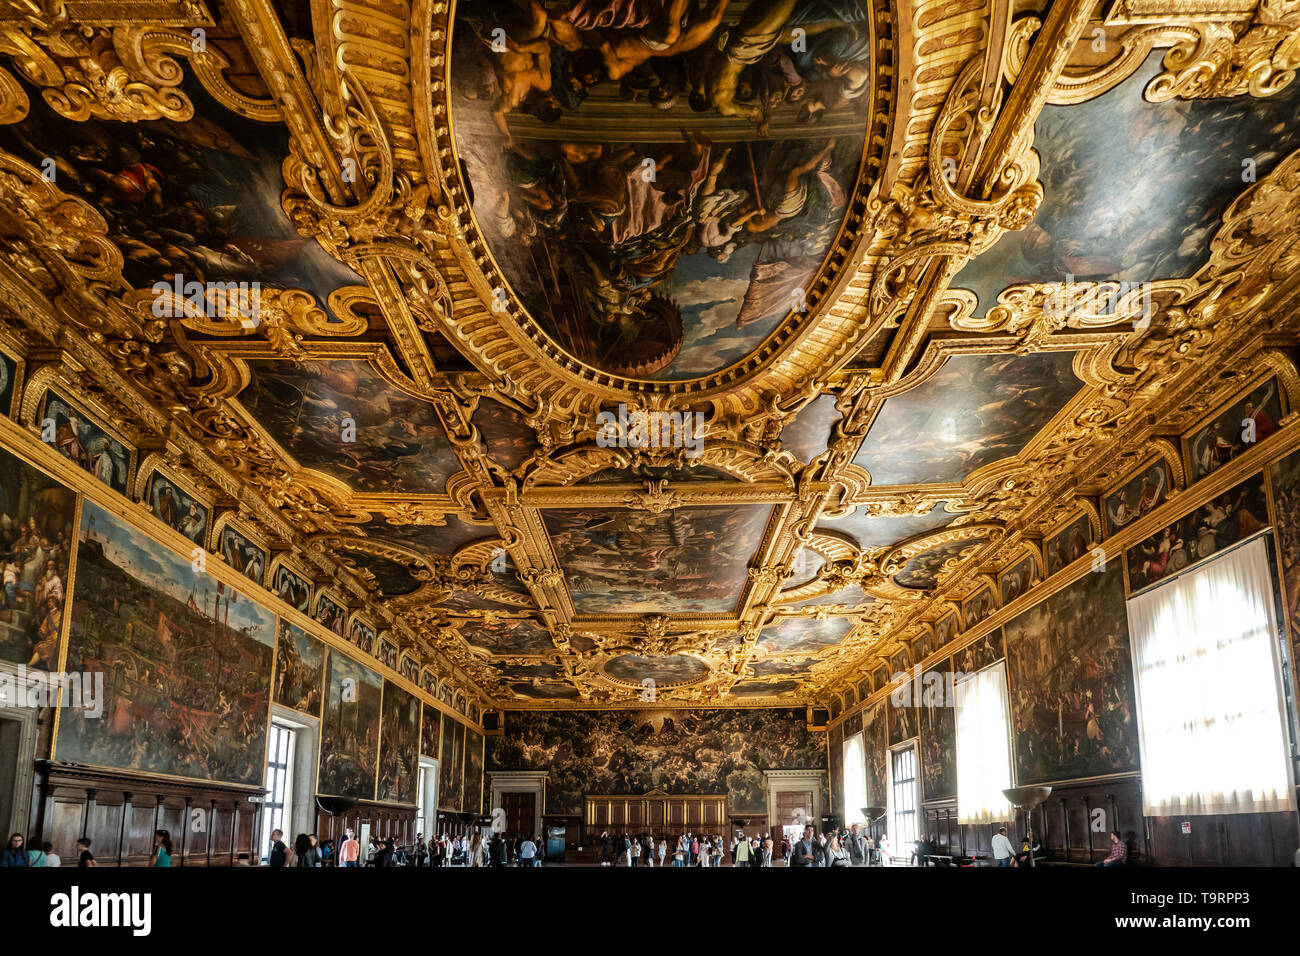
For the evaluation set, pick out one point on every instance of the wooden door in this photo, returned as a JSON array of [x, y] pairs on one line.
[[521, 813]]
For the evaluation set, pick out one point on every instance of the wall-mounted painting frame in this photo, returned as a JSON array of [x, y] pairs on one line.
[[287, 580], [241, 550], [174, 501], [362, 634], [13, 367], [1071, 540], [331, 613], [1205, 456], [979, 606], [1140, 491], [94, 448], [1019, 577]]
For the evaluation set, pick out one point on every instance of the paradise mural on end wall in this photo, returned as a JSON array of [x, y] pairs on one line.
[[678, 751], [186, 662]]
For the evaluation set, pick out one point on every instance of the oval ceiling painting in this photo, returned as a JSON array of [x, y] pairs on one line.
[[670, 669], [660, 180]]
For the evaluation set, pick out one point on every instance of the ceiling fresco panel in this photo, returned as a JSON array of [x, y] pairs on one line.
[[398, 444], [974, 410], [799, 635], [661, 182], [198, 200], [881, 531], [1134, 190], [620, 561]]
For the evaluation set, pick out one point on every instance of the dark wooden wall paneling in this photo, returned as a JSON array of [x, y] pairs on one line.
[[1065, 825], [120, 814], [386, 820]]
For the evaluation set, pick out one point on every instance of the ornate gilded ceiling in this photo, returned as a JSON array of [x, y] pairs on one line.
[[909, 290]]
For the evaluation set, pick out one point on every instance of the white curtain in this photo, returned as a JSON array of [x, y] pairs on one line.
[[1209, 692], [855, 780], [983, 746]]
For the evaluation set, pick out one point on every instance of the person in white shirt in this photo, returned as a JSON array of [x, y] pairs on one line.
[[1003, 852], [527, 851]]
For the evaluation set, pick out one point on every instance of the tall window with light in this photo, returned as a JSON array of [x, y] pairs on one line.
[[1211, 707], [855, 779], [277, 809], [983, 746]]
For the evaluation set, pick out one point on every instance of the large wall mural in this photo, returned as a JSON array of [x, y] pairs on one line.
[[430, 731], [36, 515], [938, 736], [399, 745], [451, 768], [1071, 685], [186, 661], [349, 734], [875, 745], [473, 800], [678, 751], [661, 182], [299, 669]]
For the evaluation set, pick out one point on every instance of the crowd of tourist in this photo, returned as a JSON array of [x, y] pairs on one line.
[[441, 850], [839, 847]]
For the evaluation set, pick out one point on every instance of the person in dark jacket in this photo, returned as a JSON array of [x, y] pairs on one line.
[[497, 850], [385, 856], [278, 849], [15, 854], [807, 851]]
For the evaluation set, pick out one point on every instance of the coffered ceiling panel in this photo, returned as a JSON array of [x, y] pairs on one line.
[[974, 410], [621, 561]]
